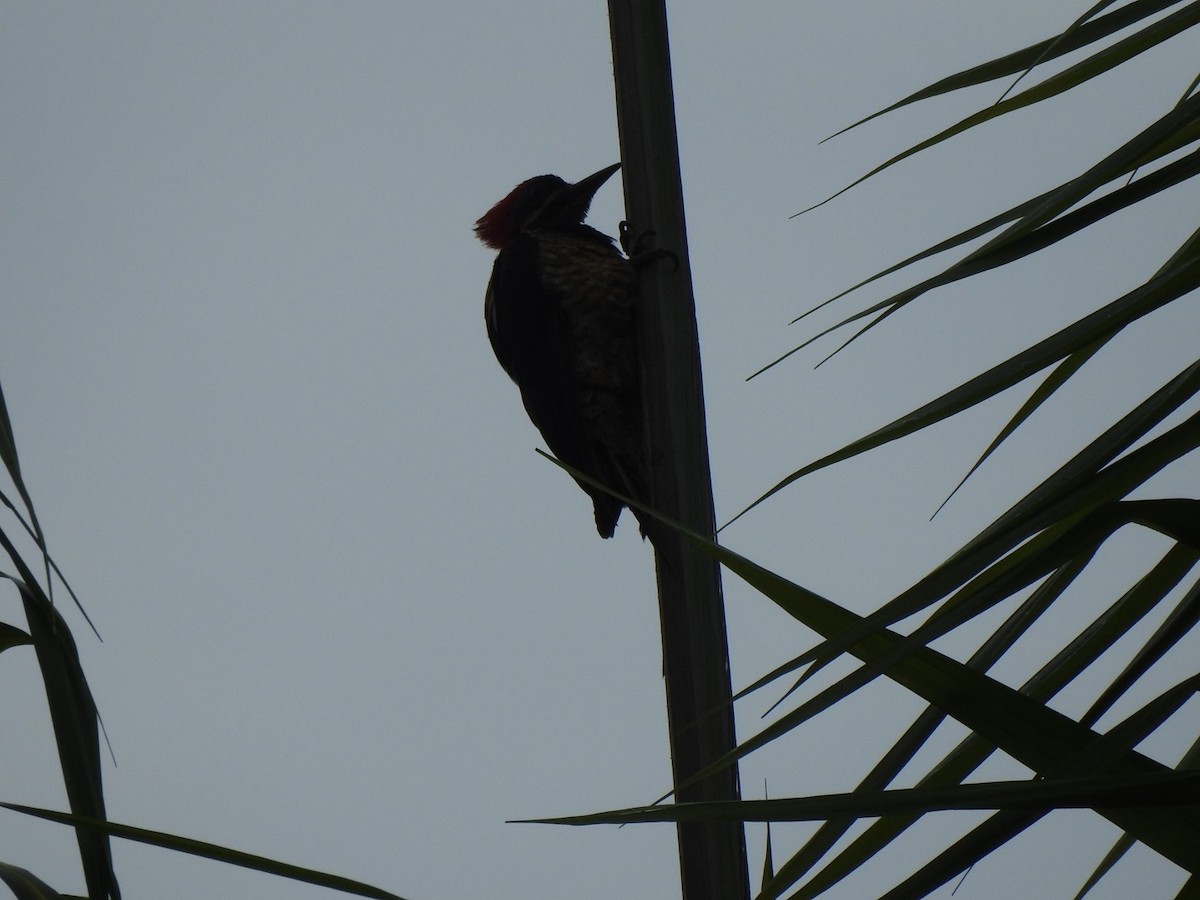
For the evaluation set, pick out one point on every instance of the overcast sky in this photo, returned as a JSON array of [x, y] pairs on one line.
[[351, 620]]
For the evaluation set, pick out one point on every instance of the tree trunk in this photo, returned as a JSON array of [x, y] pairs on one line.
[[712, 855]]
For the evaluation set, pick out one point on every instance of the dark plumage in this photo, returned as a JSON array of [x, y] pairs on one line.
[[559, 311]]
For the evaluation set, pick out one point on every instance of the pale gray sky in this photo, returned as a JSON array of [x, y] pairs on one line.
[[351, 619]]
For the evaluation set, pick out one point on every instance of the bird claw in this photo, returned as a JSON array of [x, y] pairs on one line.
[[640, 247]]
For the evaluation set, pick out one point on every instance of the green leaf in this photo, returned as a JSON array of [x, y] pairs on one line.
[[1078, 336], [1162, 789], [1036, 736], [1178, 625], [207, 851], [1056, 379], [1073, 76], [1080, 34], [1080, 486], [76, 729], [25, 885], [11, 636], [1094, 640]]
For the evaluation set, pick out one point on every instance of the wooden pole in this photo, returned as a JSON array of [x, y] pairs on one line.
[[712, 855]]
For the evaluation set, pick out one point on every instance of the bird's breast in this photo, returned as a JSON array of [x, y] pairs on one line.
[[596, 286]]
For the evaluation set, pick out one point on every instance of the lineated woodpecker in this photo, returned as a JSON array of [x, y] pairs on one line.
[[559, 309]]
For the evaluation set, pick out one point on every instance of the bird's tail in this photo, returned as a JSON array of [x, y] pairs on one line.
[[634, 482]]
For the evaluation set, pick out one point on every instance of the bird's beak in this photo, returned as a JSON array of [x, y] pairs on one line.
[[573, 201], [588, 186]]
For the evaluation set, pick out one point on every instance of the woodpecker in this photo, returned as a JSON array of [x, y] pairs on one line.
[[559, 310]]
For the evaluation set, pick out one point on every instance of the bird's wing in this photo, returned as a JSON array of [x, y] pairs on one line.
[[530, 335]]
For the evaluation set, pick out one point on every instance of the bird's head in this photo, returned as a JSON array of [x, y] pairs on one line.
[[542, 202]]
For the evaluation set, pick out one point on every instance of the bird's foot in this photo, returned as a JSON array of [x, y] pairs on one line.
[[640, 247]]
